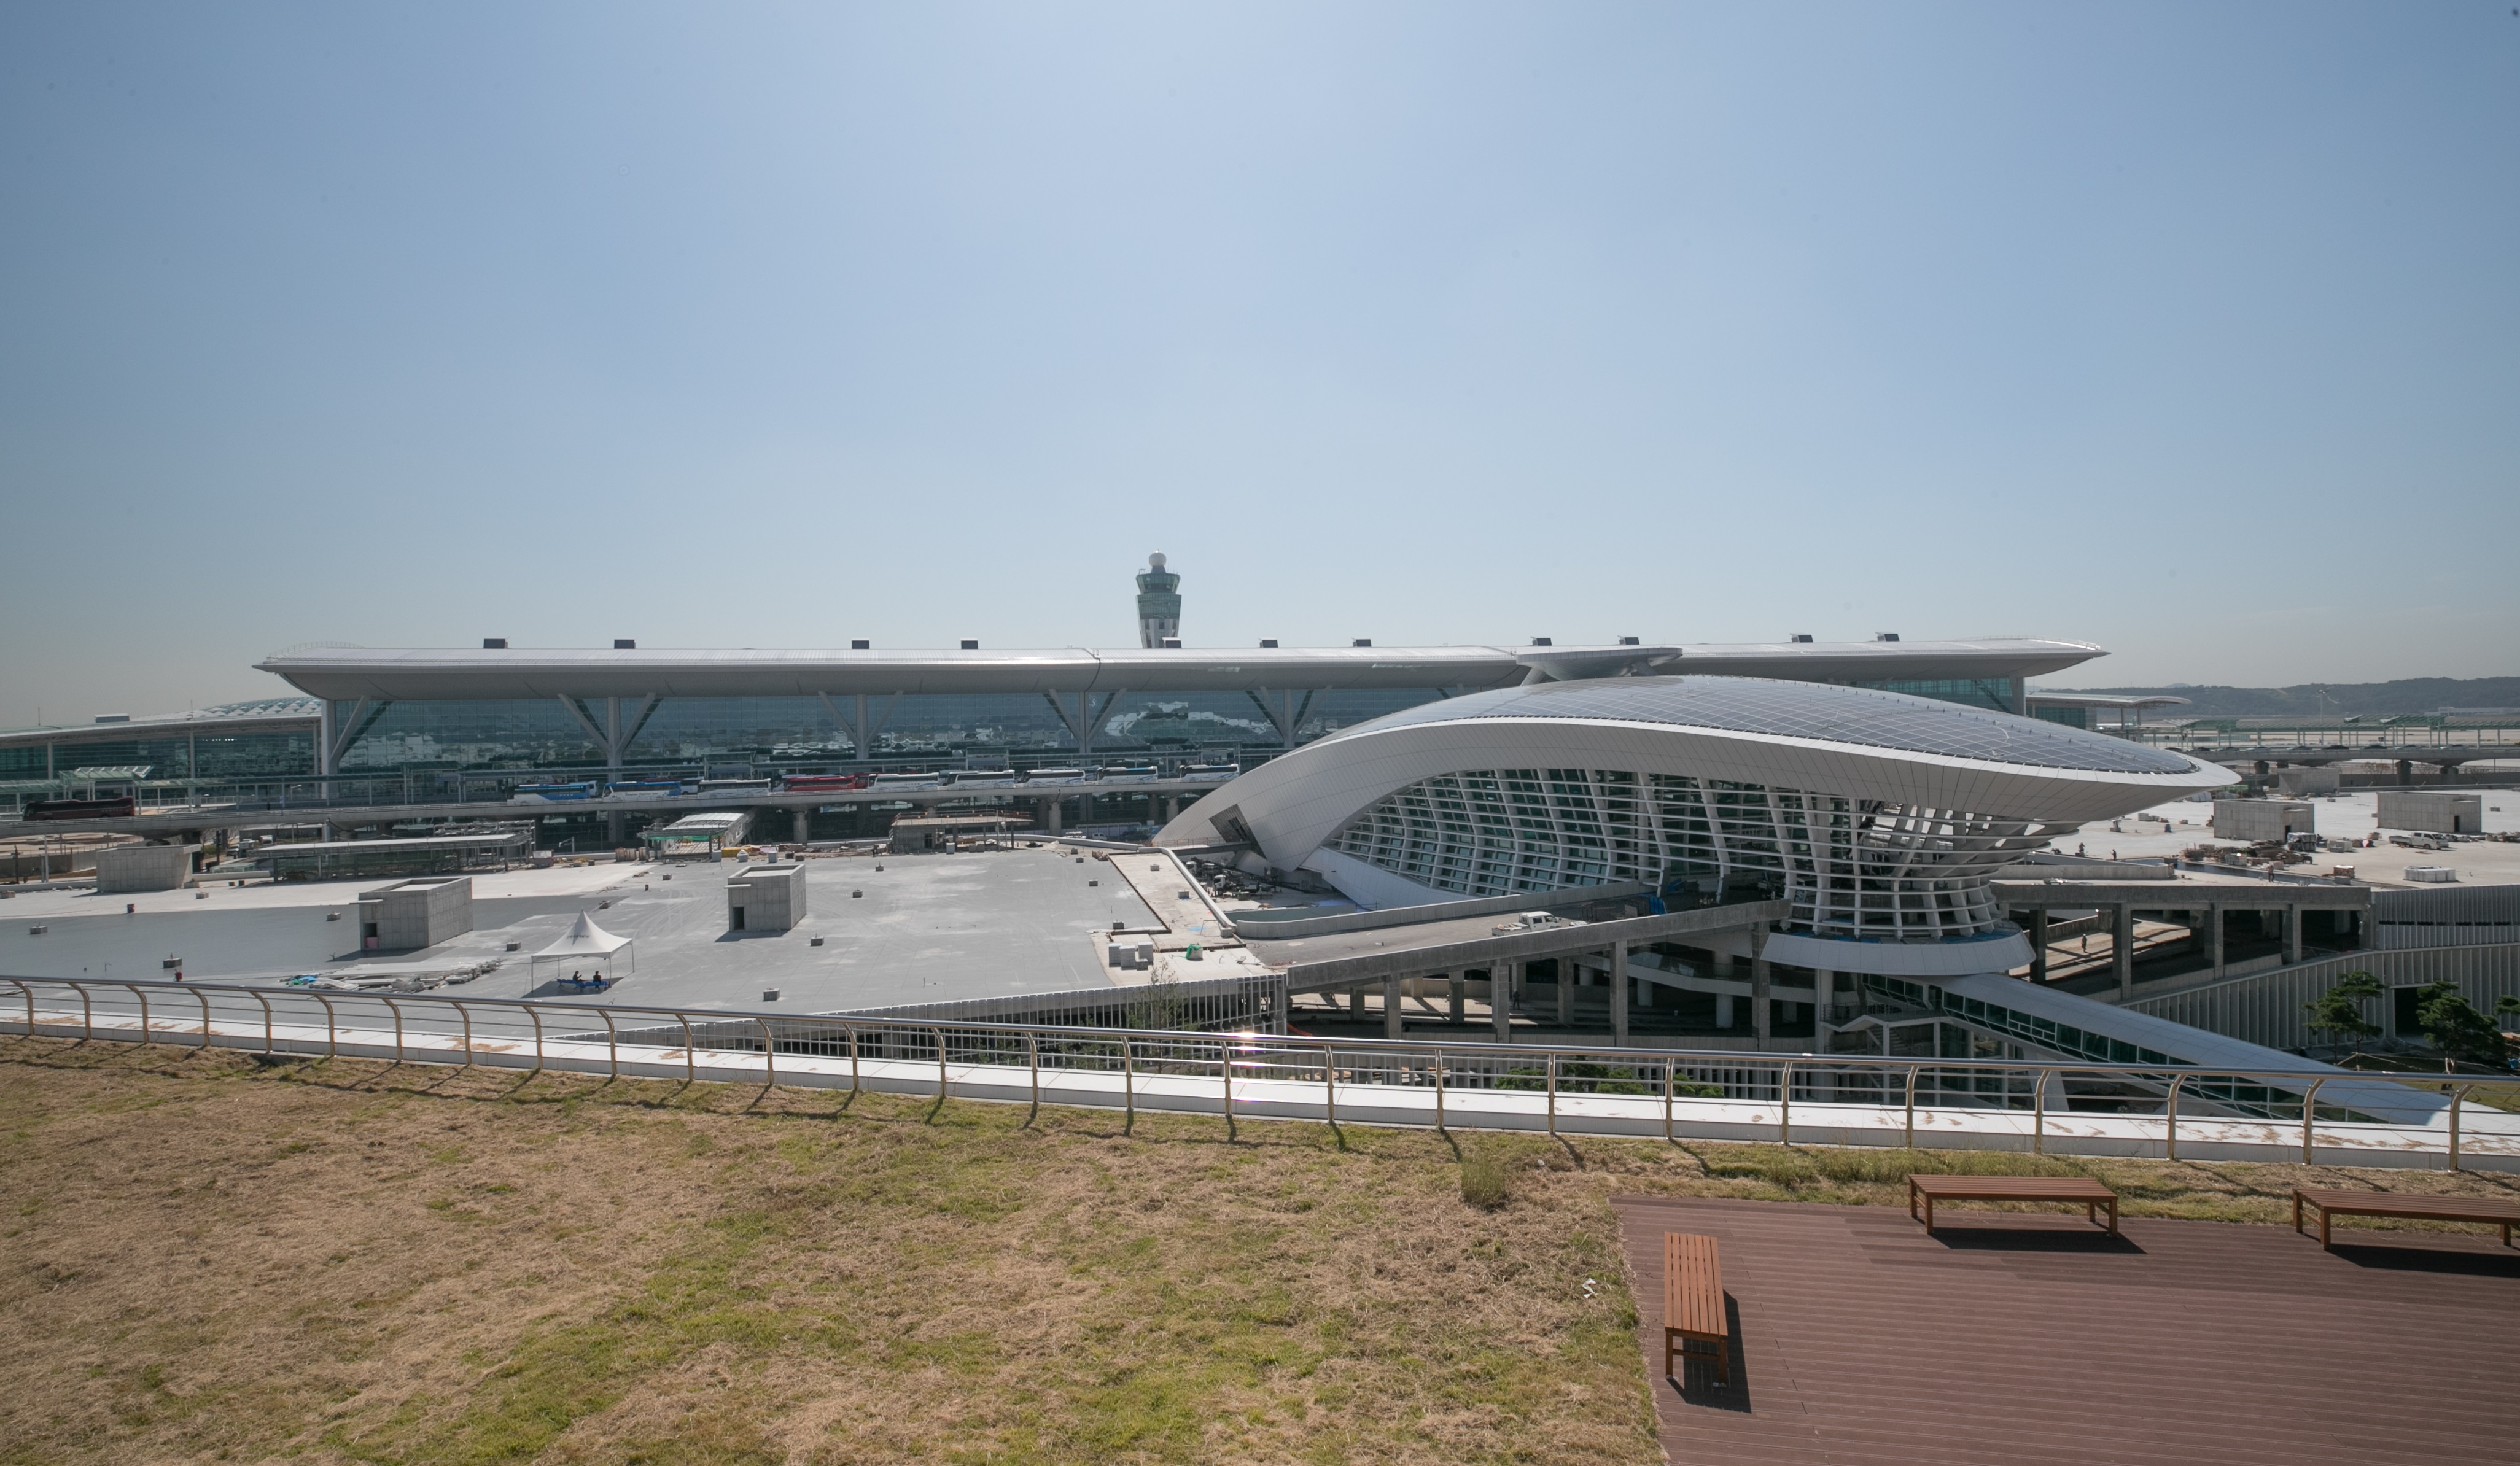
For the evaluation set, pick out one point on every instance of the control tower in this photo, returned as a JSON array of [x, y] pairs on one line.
[[1159, 604]]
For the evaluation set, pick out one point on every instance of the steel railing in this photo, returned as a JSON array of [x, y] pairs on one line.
[[2039, 1106]]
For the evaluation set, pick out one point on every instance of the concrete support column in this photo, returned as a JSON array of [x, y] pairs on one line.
[[1566, 991], [1823, 999], [1619, 991], [2039, 945], [1356, 1003], [2292, 935], [1500, 999], [804, 825], [1391, 1007], [1723, 1010], [1051, 810], [1762, 1018], [1458, 991], [2214, 936], [2122, 947]]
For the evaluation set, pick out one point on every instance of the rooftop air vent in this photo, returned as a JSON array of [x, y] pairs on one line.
[[114, 717], [1885, 636], [1170, 643], [1802, 636], [624, 644], [971, 645], [861, 645], [1361, 641], [1542, 641], [1630, 641], [494, 643], [1269, 641]]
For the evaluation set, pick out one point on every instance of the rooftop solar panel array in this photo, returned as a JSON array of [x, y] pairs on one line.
[[1862, 717]]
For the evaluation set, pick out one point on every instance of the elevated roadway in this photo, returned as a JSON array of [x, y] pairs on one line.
[[175, 820], [2444, 755]]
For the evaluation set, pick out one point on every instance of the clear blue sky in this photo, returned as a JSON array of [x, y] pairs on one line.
[[2189, 328]]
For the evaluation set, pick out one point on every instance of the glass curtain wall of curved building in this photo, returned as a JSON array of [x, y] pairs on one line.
[[1851, 868]]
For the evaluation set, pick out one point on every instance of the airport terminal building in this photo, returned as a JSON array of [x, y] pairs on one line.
[[374, 711]]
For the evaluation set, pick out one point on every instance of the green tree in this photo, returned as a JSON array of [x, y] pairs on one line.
[[2455, 1027], [2338, 1011]]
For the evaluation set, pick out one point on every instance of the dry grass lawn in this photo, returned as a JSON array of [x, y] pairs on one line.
[[208, 1256]]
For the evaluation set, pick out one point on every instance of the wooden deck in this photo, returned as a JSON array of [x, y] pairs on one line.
[[2033, 1338]]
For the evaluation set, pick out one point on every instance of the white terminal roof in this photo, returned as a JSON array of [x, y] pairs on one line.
[[1804, 710], [409, 673], [1852, 743]]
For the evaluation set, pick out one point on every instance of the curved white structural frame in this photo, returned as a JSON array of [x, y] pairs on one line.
[[1880, 815]]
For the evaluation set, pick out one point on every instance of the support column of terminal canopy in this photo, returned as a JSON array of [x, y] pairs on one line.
[[1619, 992], [2122, 947], [1760, 1025]]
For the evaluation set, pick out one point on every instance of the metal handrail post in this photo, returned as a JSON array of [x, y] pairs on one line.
[[332, 1029], [2170, 1118], [203, 999], [769, 1056], [1128, 1084], [2456, 1097], [1032, 1055], [87, 1014], [1670, 1072], [1786, 1104], [267, 1045], [394, 1008], [1330, 1085], [28, 994], [465, 1013], [691, 1063], [536, 1014], [851, 1030], [2039, 1113], [2309, 1117], [940, 1062], [612, 1041], [144, 1010], [1439, 1091], [1912, 1106], [1552, 1091], [1224, 1070]]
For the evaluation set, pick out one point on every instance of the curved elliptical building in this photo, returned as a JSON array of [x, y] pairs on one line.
[[1880, 817]]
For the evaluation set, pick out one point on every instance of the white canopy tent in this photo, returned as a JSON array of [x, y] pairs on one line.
[[587, 942]]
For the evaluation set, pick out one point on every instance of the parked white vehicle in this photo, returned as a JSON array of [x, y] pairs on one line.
[[1532, 921]]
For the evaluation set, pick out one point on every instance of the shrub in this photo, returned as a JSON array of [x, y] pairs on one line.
[[1486, 1183]]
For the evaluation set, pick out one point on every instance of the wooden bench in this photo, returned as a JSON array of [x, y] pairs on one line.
[[1692, 1302], [2334, 1203], [2067, 1188]]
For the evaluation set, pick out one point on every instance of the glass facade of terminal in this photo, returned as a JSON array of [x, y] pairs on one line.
[[166, 751], [1024, 727]]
